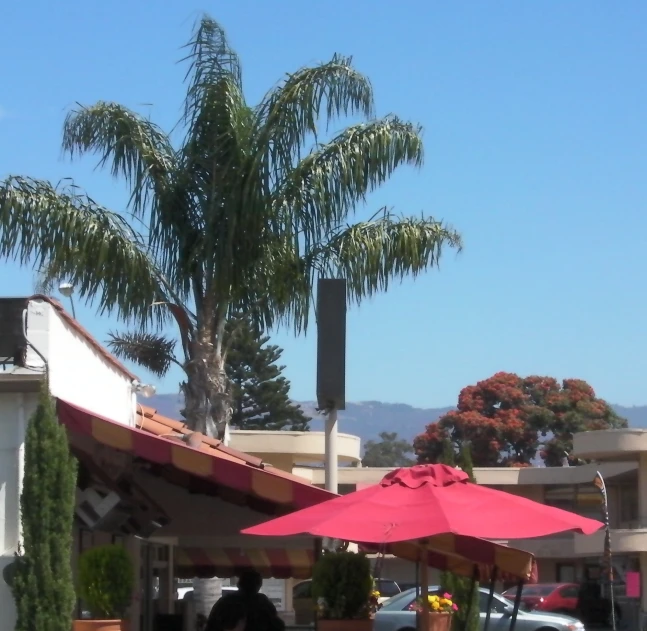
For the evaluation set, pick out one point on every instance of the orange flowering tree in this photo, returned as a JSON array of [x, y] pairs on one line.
[[510, 420]]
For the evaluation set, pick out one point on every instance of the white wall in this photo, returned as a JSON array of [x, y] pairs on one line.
[[15, 409], [77, 372]]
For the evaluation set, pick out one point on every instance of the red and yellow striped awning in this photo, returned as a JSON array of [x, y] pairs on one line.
[[208, 459], [460, 555], [228, 562]]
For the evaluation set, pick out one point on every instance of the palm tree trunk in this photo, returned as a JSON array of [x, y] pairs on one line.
[[207, 409], [207, 392]]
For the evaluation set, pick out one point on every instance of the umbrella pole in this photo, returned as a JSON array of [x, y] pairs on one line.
[[318, 543], [423, 617], [475, 575], [517, 602], [490, 597]]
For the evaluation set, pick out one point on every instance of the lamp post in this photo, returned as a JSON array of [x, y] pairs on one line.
[[67, 289]]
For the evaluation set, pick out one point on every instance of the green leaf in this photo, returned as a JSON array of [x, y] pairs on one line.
[[153, 352]]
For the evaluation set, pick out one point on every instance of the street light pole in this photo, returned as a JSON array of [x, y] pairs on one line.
[[331, 366], [330, 444]]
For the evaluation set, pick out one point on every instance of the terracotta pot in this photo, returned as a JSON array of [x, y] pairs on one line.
[[100, 625], [365, 624], [439, 621]]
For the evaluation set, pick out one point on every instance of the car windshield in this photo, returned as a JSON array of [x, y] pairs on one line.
[[387, 588]]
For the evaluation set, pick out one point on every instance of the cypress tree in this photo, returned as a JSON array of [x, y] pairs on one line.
[[260, 394], [42, 582]]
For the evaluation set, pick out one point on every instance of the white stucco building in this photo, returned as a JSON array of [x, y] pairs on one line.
[[80, 372]]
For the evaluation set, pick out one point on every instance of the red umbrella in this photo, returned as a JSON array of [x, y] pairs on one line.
[[422, 501]]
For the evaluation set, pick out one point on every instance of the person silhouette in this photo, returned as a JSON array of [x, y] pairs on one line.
[[256, 609]]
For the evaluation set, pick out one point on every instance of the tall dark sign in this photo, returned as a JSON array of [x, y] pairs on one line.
[[331, 343]]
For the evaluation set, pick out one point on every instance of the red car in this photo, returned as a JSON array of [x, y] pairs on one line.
[[554, 597]]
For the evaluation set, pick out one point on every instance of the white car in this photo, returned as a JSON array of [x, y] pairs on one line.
[[396, 614], [186, 593]]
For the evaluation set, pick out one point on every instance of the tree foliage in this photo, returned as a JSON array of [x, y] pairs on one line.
[[42, 583], [508, 420], [260, 394], [244, 214], [389, 451]]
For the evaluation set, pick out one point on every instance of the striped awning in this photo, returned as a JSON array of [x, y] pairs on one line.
[[460, 555], [206, 459], [228, 562]]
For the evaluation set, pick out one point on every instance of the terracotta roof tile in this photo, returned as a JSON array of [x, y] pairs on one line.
[[162, 426]]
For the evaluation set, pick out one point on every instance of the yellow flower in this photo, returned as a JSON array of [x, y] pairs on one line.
[[435, 606]]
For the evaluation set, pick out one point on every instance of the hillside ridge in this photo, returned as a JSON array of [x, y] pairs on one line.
[[367, 419]]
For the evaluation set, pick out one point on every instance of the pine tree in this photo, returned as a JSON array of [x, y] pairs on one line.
[[260, 394], [42, 582]]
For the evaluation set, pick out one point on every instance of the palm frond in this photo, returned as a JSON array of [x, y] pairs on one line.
[[290, 112], [133, 146], [372, 254], [153, 352], [324, 188], [45, 280], [96, 250], [211, 59]]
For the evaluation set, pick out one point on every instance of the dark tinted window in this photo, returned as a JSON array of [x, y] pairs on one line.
[[302, 590]]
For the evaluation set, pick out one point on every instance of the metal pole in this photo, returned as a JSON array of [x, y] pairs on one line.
[[490, 597], [417, 592], [517, 602], [423, 617], [318, 543], [331, 451], [148, 588]]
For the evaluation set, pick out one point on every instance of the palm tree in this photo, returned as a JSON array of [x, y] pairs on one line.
[[242, 216]]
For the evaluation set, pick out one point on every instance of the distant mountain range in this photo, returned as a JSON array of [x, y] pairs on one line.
[[368, 418]]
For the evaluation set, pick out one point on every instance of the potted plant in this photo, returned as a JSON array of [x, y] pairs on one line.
[[440, 610], [343, 587], [106, 580]]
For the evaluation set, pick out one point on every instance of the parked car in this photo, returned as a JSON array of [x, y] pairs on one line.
[[555, 597], [397, 614], [304, 605], [563, 598]]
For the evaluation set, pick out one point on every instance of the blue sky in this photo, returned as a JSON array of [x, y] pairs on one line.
[[535, 128]]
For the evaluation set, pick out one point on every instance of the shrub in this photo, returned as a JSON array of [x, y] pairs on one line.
[[342, 585], [106, 580]]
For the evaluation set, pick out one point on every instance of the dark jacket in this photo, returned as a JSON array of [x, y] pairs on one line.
[[260, 613]]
